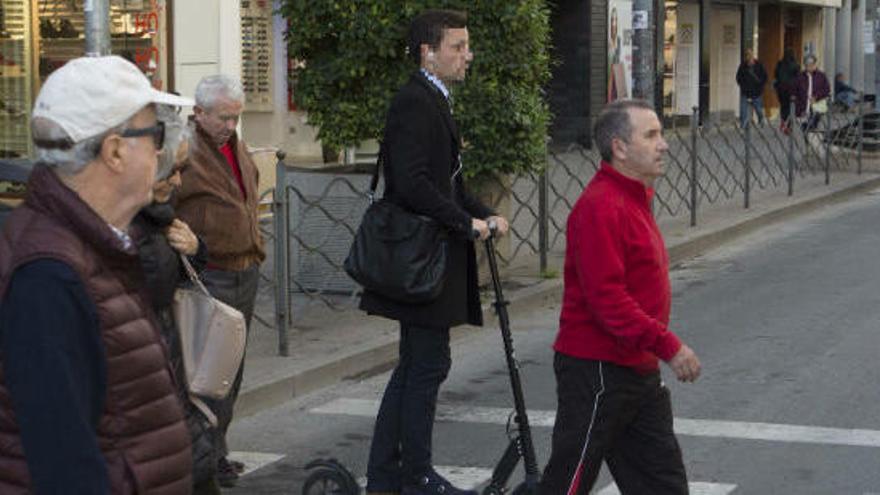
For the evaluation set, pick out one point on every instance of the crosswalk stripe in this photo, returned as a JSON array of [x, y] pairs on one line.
[[772, 432], [696, 488], [467, 478], [253, 460]]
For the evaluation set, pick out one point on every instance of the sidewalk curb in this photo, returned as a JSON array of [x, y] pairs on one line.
[[382, 356]]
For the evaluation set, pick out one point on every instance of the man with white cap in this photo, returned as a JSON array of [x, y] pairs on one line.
[[87, 399]]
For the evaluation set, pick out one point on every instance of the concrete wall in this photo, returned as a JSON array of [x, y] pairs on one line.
[[857, 64], [725, 59], [213, 47], [813, 36], [843, 37], [687, 58]]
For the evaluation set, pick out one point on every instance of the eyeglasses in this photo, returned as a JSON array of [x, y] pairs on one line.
[[157, 132]]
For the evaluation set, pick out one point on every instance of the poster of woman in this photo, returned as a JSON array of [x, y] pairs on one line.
[[619, 49]]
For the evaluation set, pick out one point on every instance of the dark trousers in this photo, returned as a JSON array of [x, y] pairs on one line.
[[401, 448], [239, 290], [784, 96], [611, 413]]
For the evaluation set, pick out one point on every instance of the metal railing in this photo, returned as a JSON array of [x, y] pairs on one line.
[[317, 212]]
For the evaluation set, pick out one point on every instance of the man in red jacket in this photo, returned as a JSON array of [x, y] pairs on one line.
[[613, 330]]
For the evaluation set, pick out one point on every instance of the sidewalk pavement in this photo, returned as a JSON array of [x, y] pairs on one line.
[[332, 346]]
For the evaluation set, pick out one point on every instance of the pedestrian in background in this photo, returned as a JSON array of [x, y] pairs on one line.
[[87, 397], [813, 91], [161, 238], [844, 94], [785, 79], [751, 78], [614, 326], [423, 174], [218, 199]]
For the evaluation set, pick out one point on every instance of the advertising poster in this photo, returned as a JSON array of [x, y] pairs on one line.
[[620, 44]]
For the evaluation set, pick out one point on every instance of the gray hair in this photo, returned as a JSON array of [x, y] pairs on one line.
[[212, 88], [614, 123], [176, 131], [67, 160]]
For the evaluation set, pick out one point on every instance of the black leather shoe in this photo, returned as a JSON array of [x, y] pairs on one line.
[[433, 484], [227, 477]]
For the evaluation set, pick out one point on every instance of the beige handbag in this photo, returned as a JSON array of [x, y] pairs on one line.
[[212, 336]]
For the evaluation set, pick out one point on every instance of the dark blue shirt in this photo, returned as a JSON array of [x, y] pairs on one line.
[[55, 369]]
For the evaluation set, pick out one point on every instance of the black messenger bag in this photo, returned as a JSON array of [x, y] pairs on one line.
[[396, 253]]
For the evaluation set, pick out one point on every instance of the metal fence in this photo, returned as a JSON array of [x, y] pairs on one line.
[[317, 211]]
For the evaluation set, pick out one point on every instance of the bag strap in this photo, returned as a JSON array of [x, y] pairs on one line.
[[205, 410], [374, 183], [380, 162], [193, 276]]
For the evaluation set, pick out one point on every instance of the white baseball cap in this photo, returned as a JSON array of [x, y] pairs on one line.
[[88, 96]]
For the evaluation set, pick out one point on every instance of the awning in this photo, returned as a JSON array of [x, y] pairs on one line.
[[819, 3]]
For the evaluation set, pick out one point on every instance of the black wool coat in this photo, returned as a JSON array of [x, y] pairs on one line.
[[163, 274], [422, 175]]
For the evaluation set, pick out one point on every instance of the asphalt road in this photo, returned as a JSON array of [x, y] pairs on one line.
[[785, 321]]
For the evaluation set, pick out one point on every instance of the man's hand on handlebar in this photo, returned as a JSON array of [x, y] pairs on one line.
[[499, 225], [495, 225], [480, 228]]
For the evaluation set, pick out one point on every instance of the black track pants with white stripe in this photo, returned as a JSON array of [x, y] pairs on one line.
[[613, 414]]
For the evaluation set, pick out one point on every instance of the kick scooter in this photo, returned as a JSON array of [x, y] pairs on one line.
[[328, 476]]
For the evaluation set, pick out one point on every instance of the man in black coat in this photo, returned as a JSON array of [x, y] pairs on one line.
[[751, 78], [423, 173]]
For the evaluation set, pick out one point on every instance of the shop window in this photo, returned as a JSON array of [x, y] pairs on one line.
[[39, 36], [256, 54], [669, 31], [15, 78], [136, 33], [620, 49]]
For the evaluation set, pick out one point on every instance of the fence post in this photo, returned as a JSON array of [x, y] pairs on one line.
[[693, 178], [788, 125], [543, 219], [748, 142], [861, 135], [282, 280], [827, 118]]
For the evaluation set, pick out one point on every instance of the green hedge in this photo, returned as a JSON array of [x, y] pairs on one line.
[[354, 60]]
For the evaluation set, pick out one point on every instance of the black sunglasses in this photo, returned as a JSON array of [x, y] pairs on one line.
[[157, 132]]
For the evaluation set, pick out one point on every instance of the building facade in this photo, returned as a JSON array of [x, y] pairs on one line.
[[698, 46], [175, 43]]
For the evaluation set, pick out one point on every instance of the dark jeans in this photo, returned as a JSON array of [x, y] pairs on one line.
[[239, 290], [611, 413], [401, 448], [784, 103]]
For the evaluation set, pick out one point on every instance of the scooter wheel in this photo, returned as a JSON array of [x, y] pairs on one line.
[[326, 481]]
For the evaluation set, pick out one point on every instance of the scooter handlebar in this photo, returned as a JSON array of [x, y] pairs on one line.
[[493, 230]]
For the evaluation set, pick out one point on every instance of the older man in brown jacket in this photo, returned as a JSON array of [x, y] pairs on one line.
[[218, 199]]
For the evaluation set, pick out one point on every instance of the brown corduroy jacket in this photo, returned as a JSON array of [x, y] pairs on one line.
[[210, 201]]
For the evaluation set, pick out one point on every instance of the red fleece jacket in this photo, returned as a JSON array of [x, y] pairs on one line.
[[616, 300]]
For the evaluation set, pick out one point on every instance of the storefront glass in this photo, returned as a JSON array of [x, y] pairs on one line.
[[38, 36], [681, 58], [620, 45]]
